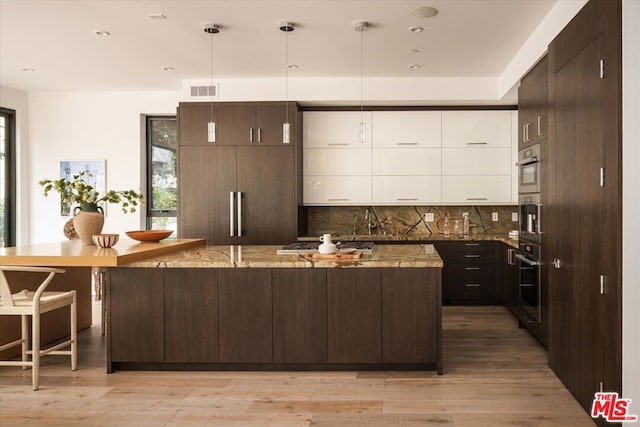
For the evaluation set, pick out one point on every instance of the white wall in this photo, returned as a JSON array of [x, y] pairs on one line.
[[18, 101], [630, 203], [82, 125]]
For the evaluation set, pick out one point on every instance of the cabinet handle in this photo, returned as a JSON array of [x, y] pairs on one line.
[[472, 268], [472, 244], [539, 125], [338, 200], [406, 143], [527, 260], [476, 198], [231, 218], [477, 143], [472, 256], [472, 285], [259, 135], [406, 198], [510, 257], [342, 144], [251, 135], [239, 213]]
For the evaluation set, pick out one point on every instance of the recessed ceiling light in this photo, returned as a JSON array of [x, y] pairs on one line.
[[102, 33], [168, 69], [414, 66], [159, 16], [425, 12], [28, 69], [416, 29], [292, 66]]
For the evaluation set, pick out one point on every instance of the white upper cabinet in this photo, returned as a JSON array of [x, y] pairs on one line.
[[329, 161], [406, 190], [476, 190], [394, 129], [476, 161], [476, 128], [336, 129], [407, 161]]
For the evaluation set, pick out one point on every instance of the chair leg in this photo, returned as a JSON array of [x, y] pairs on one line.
[[35, 350], [74, 333], [25, 339]]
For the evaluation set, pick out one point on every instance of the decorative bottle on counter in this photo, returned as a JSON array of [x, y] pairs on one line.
[[465, 224]]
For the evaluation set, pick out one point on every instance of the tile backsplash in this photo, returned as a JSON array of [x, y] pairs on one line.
[[402, 220]]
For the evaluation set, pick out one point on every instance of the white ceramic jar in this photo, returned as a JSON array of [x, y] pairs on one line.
[[327, 247]]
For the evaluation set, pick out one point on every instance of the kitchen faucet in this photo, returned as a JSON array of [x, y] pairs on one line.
[[368, 218]]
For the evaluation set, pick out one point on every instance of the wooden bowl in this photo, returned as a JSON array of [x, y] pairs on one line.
[[149, 235], [105, 240]]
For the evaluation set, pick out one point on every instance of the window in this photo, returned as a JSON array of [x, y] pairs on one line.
[[162, 178], [7, 178]]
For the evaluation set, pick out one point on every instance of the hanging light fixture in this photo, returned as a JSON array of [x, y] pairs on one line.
[[361, 27], [286, 27], [211, 29]]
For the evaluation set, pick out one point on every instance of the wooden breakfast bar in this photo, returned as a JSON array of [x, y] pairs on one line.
[[246, 308], [78, 261]]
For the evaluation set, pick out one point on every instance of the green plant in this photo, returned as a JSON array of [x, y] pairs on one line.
[[77, 190]]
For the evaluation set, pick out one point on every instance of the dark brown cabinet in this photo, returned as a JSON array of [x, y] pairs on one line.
[[410, 315], [533, 105], [274, 318], [235, 193], [191, 315], [245, 313], [354, 312], [136, 311], [299, 315], [237, 123], [584, 208], [468, 273]]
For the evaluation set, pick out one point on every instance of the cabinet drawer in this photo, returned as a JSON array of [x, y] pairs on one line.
[[337, 190], [406, 190], [406, 161], [470, 272], [407, 128], [470, 247], [335, 129], [478, 257], [476, 128], [477, 290], [331, 161], [476, 161], [476, 190]]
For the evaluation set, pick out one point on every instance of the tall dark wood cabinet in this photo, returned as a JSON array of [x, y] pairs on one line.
[[583, 212], [246, 187], [533, 108]]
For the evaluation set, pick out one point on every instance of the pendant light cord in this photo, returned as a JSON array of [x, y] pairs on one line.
[[211, 75], [362, 73], [286, 75]]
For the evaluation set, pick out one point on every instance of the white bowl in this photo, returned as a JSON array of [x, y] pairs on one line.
[[105, 240]]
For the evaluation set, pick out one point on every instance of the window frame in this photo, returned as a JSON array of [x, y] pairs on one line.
[[156, 213], [10, 177]]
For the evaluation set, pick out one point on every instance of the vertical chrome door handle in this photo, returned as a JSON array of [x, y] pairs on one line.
[[510, 257], [259, 135], [239, 213], [251, 135], [231, 219]]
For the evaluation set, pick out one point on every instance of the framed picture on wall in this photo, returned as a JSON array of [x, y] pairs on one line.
[[94, 177]]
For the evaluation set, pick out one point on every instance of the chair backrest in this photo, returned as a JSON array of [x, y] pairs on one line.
[[5, 291]]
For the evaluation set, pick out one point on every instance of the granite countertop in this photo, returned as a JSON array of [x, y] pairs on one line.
[[415, 237], [410, 255]]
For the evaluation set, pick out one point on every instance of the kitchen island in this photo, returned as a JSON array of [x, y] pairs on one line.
[[246, 308], [77, 260]]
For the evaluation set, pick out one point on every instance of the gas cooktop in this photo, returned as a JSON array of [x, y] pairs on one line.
[[312, 247]]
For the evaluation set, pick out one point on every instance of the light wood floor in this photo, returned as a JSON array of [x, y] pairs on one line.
[[495, 375]]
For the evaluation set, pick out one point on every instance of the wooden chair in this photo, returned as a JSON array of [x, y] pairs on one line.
[[27, 303]]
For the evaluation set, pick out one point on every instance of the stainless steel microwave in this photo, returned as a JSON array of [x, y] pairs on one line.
[[529, 170]]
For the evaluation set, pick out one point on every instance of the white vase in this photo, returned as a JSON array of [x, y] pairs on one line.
[[87, 223]]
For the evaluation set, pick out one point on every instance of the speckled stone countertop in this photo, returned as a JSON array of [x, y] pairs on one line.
[[409, 255], [415, 237]]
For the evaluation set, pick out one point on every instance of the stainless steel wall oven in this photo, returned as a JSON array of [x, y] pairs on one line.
[[529, 169], [529, 273]]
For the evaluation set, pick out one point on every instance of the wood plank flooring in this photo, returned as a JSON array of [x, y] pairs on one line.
[[495, 375]]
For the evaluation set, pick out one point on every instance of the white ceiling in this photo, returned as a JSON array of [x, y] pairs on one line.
[[470, 38]]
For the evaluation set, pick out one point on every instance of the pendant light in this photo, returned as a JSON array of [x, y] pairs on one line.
[[286, 27], [211, 29], [361, 27]]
